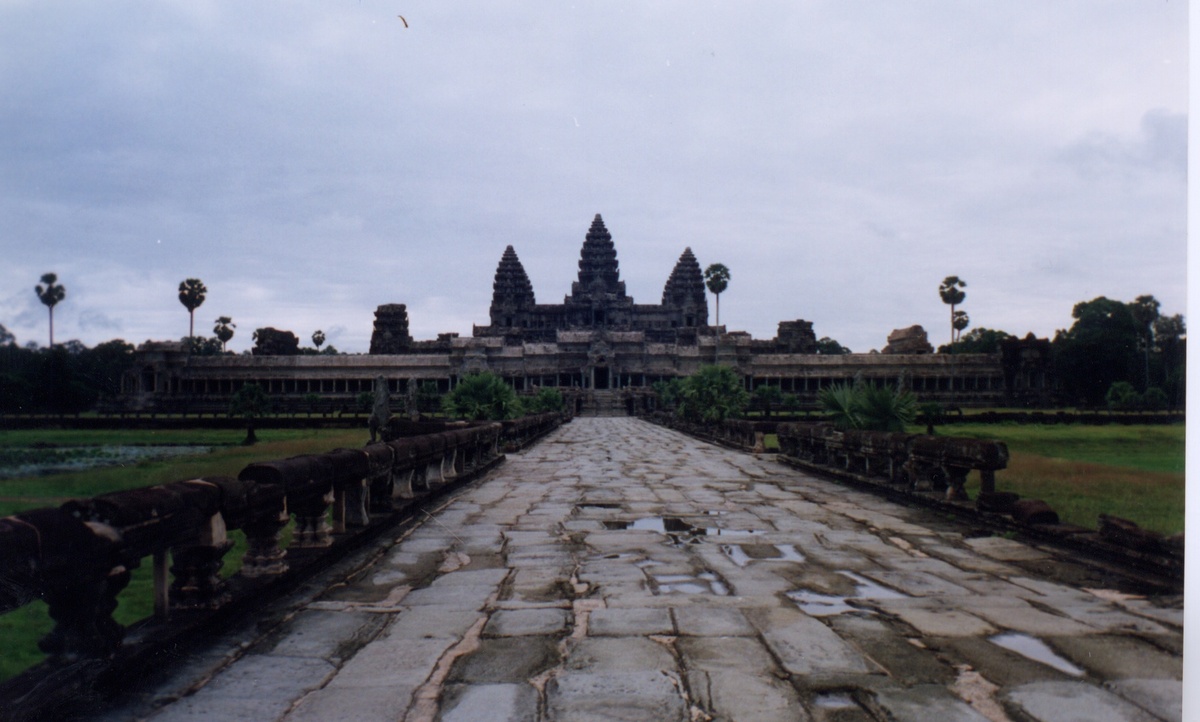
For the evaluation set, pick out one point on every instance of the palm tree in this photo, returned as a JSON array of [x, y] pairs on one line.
[[224, 330], [191, 295], [716, 277], [961, 321], [318, 338], [952, 293], [50, 294]]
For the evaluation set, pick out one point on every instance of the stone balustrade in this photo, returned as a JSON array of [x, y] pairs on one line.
[[916, 462], [78, 557]]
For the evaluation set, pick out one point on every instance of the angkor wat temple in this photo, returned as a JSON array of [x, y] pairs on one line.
[[597, 342]]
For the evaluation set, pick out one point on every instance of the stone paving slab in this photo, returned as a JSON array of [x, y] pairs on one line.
[[622, 571]]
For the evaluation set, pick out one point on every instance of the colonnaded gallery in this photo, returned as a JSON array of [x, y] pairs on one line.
[[597, 342]]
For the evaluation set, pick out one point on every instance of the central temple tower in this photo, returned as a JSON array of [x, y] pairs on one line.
[[598, 301]]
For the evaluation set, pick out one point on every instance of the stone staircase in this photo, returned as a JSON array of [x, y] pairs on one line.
[[604, 402]]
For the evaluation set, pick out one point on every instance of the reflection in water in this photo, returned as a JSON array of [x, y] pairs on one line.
[[1035, 649]]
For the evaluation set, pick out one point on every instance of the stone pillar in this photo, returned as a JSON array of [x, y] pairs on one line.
[[263, 555]]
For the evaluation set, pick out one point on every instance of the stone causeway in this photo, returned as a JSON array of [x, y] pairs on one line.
[[623, 571]]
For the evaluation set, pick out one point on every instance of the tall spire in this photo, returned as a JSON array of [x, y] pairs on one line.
[[511, 291], [599, 275], [686, 282]]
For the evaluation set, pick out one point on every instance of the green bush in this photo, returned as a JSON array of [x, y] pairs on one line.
[[712, 394], [481, 397], [546, 400], [1122, 396], [869, 407]]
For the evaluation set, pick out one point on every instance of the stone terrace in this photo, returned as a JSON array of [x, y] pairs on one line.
[[622, 571]]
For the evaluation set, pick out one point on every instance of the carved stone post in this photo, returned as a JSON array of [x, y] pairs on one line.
[[312, 529], [263, 555], [82, 611], [197, 569]]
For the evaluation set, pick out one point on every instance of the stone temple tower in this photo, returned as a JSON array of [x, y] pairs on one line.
[[684, 295], [512, 293]]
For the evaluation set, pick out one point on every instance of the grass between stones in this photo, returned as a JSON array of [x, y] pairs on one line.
[[21, 628]]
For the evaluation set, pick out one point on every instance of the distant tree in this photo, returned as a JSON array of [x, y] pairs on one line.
[[1170, 345], [429, 398], [1121, 396], [1145, 313], [668, 393], [273, 342], [250, 402], [224, 330], [481, 396], [318, 338], [716, 278], [6, 337], [961, 321], [546, 400], [201, 346], [101, 367], [50, 294], [191, 295], [977, 340], [712, 394], [766, 397], [952, 294], [1100, 349], [828, 347]]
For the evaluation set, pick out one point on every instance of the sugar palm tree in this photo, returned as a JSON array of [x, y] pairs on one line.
[[716, 278], [191, 295], [952, 294], [224, 330], [50, 294]]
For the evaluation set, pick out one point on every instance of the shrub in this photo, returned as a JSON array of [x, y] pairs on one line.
[[480, 397], [544, 401], [712, 394], [1122, 396], [869, 407], [765, 398]]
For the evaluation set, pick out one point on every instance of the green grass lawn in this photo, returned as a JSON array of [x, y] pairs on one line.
[[1135, 472], [21, 628]]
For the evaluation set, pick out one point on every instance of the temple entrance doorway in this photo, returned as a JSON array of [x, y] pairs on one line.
[[600, 378]]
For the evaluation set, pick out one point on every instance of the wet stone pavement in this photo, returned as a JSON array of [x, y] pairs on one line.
[[622, 571]]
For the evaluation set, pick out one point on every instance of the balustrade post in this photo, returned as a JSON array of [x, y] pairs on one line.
[[263, 555], [197, 569], [82, 613], [312, 529]]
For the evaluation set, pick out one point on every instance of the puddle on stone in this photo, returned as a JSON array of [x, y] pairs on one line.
[[826, 605], [704, 583], [677, 529], [834, 700], [788, 553], [1035, 649], [598, 506], [737, 555]]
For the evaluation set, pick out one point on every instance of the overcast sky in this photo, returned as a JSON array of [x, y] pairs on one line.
[[310, 161]]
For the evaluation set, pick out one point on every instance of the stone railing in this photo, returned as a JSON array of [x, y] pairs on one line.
[[78, 557], [914, 462], [933, 470], [734, 433]]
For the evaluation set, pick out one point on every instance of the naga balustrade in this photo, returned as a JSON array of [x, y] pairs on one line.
[[735, 433], [916, 462], [78, 556]]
